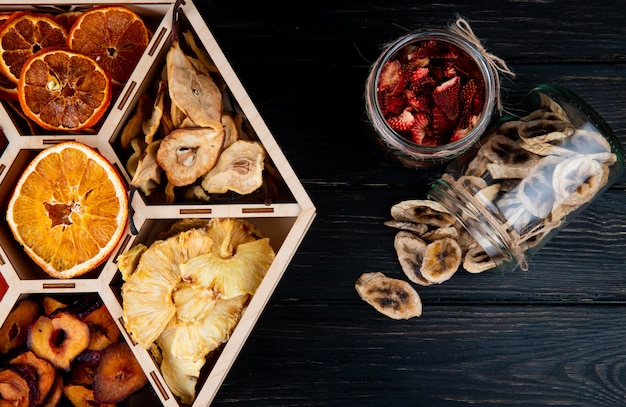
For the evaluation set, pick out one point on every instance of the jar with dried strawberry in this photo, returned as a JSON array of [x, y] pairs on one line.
[[532, 173], [431, 95]]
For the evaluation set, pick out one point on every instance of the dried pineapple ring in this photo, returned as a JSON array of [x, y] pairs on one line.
[[187, 292], [187, 154]]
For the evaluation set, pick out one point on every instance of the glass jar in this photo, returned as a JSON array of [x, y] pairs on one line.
[[530, 175], [438, 147]]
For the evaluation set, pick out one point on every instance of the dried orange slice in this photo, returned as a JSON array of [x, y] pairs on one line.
[[114, 36], [8, 89], [69, 209], [22, 35], [63, 90]]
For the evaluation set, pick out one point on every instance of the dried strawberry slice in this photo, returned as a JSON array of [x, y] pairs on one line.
[[421, 128], [441, 123], [419, 103], [392, 79], [391, 105], [446, 97], [403, 122]]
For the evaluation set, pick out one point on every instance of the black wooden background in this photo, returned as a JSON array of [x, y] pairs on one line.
[[554, 335]]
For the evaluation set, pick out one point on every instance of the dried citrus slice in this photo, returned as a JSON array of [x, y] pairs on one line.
[[63, 90], [114, 36], [69, 209], [8, 89], [22, 35]]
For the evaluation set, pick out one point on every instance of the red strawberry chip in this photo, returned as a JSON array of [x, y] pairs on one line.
[[402, 122], [446, 97]]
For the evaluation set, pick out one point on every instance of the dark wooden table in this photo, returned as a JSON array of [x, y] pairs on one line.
[[553, 335]]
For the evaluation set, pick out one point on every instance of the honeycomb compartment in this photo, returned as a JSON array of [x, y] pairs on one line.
[[80, 305], [20, 262], [152, 15], [274, 189], [283, 215]]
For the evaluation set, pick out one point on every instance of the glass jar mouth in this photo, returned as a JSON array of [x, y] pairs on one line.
[[396, 140]]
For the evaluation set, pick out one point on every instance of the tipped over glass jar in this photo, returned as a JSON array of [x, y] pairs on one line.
[[431, 95], [530, 175]]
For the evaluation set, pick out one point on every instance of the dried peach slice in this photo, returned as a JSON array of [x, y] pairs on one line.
[[58, 339], [118, 374]]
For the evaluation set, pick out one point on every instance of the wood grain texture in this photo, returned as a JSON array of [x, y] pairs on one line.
[[552, 335]]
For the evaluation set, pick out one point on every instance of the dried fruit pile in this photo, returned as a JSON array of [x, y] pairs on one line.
[[527, 176], [183, 295], [53, 351], [184, 138], [62, 68], [431, 92]]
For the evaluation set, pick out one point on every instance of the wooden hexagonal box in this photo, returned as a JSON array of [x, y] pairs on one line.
[[215, 212]]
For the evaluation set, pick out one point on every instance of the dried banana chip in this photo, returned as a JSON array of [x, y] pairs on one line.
[[393, 298], [442, 259], [576, 180], [476, 260], [535, 191], [500, 149], [422, 211], [440, 233], [410, 250], [417, 228], [546, 129]]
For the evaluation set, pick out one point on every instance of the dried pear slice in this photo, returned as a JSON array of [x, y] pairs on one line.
[[422, 211], [238, 169], [442, 259], [187, 154], [576, 180], [410, 250], [193, 92], [231, 129], [476, 260], [151, 124], [133, 127], [148, 172], [393, 298]]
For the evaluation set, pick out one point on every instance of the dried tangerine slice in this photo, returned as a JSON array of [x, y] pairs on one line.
[[115, 36], [22, 35], [69, 209], [63, 90]]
